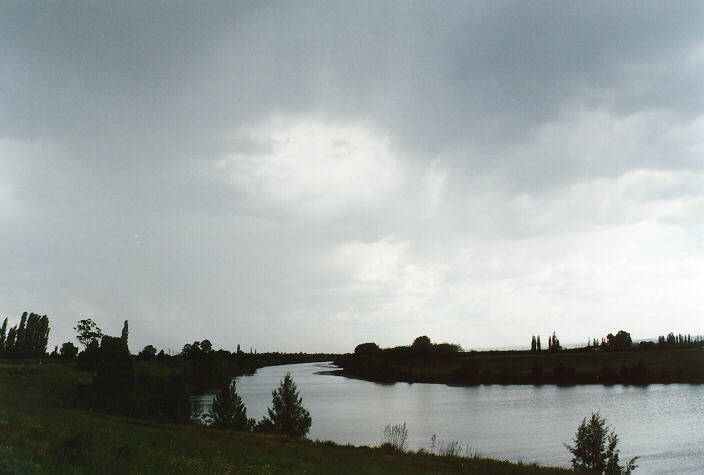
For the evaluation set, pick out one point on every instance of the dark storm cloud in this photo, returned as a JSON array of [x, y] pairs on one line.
[[145, 173]]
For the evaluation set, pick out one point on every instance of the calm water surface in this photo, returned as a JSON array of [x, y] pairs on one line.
[[663, 424]]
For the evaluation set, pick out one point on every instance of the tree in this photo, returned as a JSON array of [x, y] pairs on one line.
[[532, 344], [287, 416], [115, 378], [595, 448], [228, 411], [88, 332], [68, 350], [537, 344], [422, 345], [148, 353], [29, 338], [206, 346], [125, 334], [367, 349], [620, 342], [3, 330]]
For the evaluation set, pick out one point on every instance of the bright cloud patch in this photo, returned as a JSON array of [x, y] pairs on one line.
[[312, 166]]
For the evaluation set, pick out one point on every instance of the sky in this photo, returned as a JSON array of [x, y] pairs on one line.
[[307, 176]]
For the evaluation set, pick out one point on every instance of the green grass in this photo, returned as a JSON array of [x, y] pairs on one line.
[[41, 433]]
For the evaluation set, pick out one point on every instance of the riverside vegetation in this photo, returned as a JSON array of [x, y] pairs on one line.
[[674, 359], [109, 411]]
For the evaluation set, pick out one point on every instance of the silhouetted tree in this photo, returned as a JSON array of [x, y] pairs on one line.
[[3, 334], [595, 448], [619, 342], [19, 334], [206, 346], [537, 343], [29, 338], [88, 332], [228, 410], [115, 378], [422, 345], [68, 350], [147, 353], [125, 335], [553, 343], [532, 344], [287, 414], [367, 349]]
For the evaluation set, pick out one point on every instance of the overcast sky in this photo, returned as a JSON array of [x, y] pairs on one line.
[[307, 176]]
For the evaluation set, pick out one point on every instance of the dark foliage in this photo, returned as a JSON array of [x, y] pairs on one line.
[[125, 335], [287, 415], [619, 342], [228, 411], [422, 346], [554, 343], [27, 339], [367, 349], [147, 354], [88, 332], [595, 448], [68, 350]]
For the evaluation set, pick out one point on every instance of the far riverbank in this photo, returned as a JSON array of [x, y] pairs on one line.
[[666, 366]]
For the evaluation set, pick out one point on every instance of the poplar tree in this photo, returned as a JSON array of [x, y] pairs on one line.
[[3, 330], [125, 334]]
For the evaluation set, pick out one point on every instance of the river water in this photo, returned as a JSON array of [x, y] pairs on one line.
[[662, 424]]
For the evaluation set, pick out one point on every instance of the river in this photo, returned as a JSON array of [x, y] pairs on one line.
[[662, 424]]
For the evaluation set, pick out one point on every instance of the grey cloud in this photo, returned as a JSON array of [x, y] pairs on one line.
[[124, 111]]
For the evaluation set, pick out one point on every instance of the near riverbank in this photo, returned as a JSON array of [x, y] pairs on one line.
[[41, 432]]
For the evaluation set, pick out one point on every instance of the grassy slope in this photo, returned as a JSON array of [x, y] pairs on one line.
[[41, 433]]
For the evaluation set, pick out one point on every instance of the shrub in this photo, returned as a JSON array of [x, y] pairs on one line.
[[595, 448]]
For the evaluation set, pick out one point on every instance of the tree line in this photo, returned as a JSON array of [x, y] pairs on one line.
[[621, 341], [553, 344], [28, 338], [118, 388]]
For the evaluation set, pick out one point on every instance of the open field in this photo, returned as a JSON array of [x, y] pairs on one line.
[[522, 367], [41, 433]]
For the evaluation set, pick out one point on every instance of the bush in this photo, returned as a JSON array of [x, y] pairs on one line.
[[595, 448]]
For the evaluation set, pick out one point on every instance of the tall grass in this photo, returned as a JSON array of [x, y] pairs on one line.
[[396, 437]]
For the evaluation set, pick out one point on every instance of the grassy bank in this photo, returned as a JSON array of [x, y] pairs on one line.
[[522, 367], [40, 432]]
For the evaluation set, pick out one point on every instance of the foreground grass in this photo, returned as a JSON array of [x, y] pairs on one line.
[[41, 433]]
